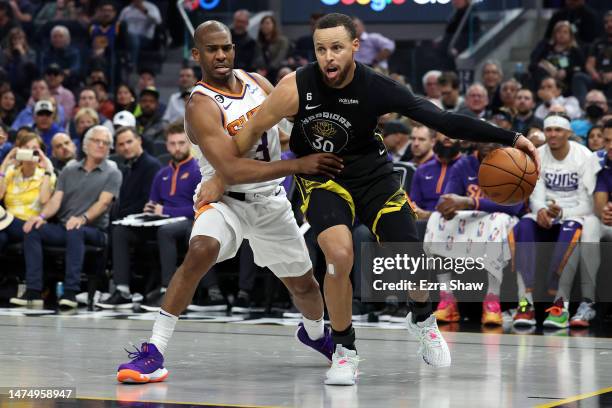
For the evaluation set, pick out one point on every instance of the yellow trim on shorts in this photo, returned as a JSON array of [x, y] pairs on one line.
[[305, 187], [393, 204]]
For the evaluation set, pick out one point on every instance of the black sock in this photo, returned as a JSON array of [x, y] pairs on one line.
[[420, 310], [345, 337]]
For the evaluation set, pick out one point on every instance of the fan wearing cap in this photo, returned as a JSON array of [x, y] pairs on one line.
[[560, 205], [149, 124], [64, 97], [39, 90], [44, 124]]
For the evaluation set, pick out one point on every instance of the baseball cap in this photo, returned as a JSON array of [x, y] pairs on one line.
[[395, 126], [150, 90], [43, 106], [124, 118]]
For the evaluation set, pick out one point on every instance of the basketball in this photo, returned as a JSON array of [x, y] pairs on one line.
[[507, 176]]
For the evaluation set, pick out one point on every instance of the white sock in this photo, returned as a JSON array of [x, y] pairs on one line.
[[494, 284], [445, 278], [124, 289], [522, 291], [162, 330], [314, 328]]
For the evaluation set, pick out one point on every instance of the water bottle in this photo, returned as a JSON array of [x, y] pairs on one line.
[[59, 289]]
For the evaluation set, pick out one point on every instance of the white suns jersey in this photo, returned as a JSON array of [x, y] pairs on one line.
[[568, 182], [235, 110]]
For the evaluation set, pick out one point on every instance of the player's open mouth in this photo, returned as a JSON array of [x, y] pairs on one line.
[[332, 72]]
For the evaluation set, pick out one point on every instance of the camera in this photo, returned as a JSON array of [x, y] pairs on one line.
[[27, 155]]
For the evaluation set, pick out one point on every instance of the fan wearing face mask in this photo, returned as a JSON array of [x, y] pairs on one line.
[[595, 108]]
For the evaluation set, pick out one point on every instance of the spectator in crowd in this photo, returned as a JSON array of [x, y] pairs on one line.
[[84, 193], [374, 48], [54, 76], [525, 118], [476, 101], [96, 75], [89, 99], [248, 53], [106, 106], [141, 18], [44, 124], [559, 57], [396, 137], [598, 65], [125, 98], [507, 95], [422, 142], [503, 119], [38, 90], [63, 150], [7, 20], [449, 92], [8, 107], [26, 184], [5, 144], [61, 10], [595, 108], [138, 171], [492, 77], [274, 46], [23, 11], [464, 214], [19, 61], [430, 85], [559, 203], [146, 79], [176, 103], [304, 51], [603, 188], [108, 37], [85, 119], [584, 20], [468, 35], [550, 93], [149, 124], [172, 195], [595, 138], [63, 54], [430, 179]]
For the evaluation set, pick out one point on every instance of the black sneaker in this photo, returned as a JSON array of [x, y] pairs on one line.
[[360, 311], [154, 300], [68, 300], [214, 302], [117, 300], [242, 304], [31, 298], [388, 312], [400, 315]]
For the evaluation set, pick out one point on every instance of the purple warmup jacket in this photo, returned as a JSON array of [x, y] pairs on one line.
[[174, 186], [429, 181], [463, 181]]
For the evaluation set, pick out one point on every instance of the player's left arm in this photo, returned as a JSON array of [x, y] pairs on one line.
[[398, 98]]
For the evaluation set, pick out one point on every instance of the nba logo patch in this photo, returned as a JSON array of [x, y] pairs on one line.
[[480, 231], [493, 216], [469, 245], [441, 224], [494, 235], [449, 242]]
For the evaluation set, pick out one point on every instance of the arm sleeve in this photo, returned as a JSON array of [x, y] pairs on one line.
[[537, 201], [113, 182], [390, 96], [61, 181]]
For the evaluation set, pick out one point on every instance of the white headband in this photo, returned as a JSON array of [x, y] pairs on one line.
[[557, 121]]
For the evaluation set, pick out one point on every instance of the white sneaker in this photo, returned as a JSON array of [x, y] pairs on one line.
[[584, 315], [98, 297], [432, 346], [344, 367]]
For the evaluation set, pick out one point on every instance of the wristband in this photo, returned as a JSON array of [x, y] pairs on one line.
[[516, 137], [42, 216], [86, 218]]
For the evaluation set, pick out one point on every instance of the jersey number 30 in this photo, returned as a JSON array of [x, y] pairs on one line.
[[322, 144]]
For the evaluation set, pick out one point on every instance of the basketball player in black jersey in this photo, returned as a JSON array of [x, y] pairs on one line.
[[335, 103]]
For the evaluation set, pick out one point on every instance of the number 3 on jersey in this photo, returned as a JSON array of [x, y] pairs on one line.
[[263, 149]]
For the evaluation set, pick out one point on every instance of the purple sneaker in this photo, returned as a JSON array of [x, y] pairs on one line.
[[324, 345], [147, 365]]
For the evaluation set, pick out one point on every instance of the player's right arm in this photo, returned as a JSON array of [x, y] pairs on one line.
[[203, 122], [281, 103]]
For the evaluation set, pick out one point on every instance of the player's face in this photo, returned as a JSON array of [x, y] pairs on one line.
[[556, 137], [216, 56], [608, 141], [335, 49]]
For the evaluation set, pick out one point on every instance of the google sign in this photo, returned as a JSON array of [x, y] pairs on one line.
[[379, 5]]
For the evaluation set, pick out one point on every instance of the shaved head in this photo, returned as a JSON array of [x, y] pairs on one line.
[[208, 27]]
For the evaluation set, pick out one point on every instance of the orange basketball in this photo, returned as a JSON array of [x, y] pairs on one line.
[[507, 176]]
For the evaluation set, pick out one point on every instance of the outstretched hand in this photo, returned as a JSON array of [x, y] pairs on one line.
[[524, 144]]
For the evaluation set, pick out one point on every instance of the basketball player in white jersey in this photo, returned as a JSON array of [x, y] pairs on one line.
[[257, 210]]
